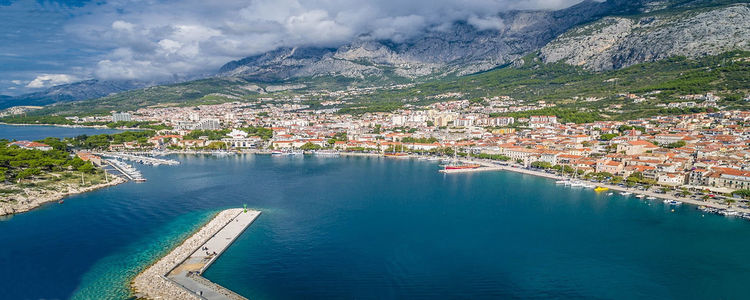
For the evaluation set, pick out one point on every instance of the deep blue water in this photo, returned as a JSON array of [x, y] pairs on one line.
[[38, 132], [354, 227]]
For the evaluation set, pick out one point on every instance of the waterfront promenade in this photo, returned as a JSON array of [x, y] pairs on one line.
[[177, 275], [612, 187]]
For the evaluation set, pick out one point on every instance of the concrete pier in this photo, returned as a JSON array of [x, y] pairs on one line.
[[480, 169], [178, 274]]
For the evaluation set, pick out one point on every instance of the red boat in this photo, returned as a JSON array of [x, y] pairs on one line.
[[461, 167]]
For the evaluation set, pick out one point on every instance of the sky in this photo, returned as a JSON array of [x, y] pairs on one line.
[[45, 43]]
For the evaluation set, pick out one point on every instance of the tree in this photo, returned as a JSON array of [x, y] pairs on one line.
[[28, 173], [310, 146], [217, 146], [676, 144], [744, 193], [88, 167], [541, 165]]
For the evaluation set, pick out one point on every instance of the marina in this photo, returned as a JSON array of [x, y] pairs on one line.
[[146, 160], [126, 170]]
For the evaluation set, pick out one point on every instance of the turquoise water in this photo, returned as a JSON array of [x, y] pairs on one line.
[[354, 227], [35, 132]]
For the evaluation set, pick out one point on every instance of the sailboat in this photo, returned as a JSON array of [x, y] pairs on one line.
[[457, 165], [396, 154]]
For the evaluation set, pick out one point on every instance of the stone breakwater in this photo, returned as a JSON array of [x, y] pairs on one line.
[[153, 283], [35, 197]]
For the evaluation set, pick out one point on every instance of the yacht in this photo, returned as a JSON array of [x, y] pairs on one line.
[[625, 193]]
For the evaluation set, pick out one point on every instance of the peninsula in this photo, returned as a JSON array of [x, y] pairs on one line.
[[34, 173]]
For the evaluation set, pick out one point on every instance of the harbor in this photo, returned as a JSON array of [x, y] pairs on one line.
[[178, 274], [146, 160], [126, 170]]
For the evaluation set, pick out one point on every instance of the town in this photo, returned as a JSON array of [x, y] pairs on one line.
[[702, 151]]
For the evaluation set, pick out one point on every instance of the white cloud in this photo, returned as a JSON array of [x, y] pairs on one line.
[[49, 80], [17, 82], [163, 39], [485, 23]]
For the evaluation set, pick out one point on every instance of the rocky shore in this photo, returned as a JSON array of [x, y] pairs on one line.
[[153, 283], [30, 198]]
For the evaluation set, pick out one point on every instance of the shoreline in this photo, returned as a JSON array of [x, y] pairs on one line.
[[634, 191], [35, 201], [177, 275], [72, 126], [488, 166]]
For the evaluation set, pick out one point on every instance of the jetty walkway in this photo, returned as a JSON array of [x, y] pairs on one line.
[[178, 274]]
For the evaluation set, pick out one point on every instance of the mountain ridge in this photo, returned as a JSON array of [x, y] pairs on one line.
[[570, 36]]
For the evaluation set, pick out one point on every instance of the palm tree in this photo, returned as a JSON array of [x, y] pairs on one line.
[[729, 202]]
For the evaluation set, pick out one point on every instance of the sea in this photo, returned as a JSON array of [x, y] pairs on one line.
[[39, 132], [376, 228]]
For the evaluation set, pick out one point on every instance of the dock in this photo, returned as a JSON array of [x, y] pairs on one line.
[[480, 169], [126, 170], [146, 160], [178, 274]]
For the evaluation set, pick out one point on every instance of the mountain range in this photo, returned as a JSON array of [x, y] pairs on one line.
[[596, 36]]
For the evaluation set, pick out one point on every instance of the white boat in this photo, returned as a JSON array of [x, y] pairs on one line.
[[651, 198], [625, 193], [640, 196], [562, 182], [221, 153], [576, 184], [610, 194], [326, 153], [673, 202]]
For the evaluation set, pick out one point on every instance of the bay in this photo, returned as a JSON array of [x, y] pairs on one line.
[[370, 227], [38, 132]]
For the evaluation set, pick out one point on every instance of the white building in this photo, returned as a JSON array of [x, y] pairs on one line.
[[121, 117], [542, 121], [239, 139], [209, 124]]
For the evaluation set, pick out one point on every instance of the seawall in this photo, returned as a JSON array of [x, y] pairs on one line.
[[177, 275]]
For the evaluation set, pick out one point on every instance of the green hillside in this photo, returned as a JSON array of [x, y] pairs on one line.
[[727, 75]]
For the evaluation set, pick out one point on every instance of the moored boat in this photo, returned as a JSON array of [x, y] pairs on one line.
[[462, 167], [601, 189]]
